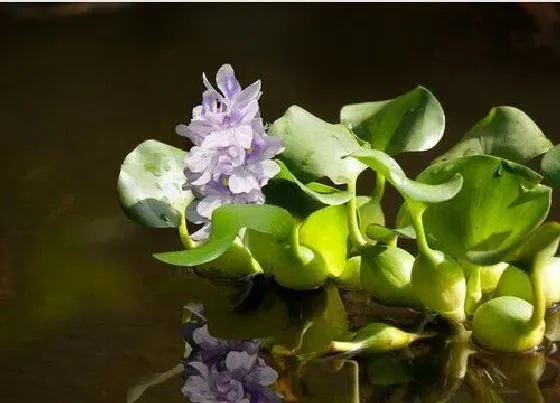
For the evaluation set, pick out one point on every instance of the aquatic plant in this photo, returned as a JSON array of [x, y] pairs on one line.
[[289, 260]]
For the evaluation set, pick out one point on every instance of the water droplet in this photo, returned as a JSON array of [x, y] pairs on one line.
[[164, 218]]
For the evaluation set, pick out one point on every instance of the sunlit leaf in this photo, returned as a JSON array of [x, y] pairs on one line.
[[318, 191], [505, 132], [412, 122], [430, 193], [499, 203], [150, 185], [326, 232], [314, 148], [227, 220]]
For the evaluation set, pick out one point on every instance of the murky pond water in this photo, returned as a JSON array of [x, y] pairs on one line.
[[85, 312]]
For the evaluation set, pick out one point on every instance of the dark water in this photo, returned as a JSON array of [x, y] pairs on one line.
[[85, 310]]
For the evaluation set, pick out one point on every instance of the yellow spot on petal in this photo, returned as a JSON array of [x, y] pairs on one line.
[[250, 150], [225, 181]]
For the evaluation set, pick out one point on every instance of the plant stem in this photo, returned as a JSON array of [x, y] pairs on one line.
[[356, 236], [379, 187], [461, 349], [186, 240], [538, 282], [417, 211], [474, 289], [539, 297]]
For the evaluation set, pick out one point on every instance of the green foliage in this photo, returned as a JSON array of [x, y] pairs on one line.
[[274, 271], [412, 122], [315, 149], [499, 203], [150, 185], [505, 132]]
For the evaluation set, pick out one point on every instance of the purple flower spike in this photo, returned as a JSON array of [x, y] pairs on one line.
[[232, 157]]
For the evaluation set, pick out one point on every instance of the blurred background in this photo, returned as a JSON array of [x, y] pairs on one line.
[[85, 312]]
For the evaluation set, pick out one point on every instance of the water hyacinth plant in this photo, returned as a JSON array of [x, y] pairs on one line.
[[305, 285]]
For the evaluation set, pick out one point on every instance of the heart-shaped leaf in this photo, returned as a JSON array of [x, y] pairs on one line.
[[150, 185], [412, 122], [227, 220], [318, 191], [505, 132], [422, 192], [550, 166], [315, 148], [499, 203]]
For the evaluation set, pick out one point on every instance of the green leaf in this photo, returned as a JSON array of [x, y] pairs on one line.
[[522, 253], [320, 192], [227, 220], [412, 122], [550, 166], [383, 234], [150, 185], [369, 212], [422, 192], [315, 149], [326, 232], [499, 203], [505, 132]]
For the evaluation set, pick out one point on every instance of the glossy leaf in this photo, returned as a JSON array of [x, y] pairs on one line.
[[318, 191], [227, 220], [314, 148], [150, 183], [550, 166], [412, 122], [499, 203], [434, 192], [505, 132]]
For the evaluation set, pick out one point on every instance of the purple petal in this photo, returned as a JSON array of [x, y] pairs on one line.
[[227, 82], [240, 361], [252, 92], [242, 181]]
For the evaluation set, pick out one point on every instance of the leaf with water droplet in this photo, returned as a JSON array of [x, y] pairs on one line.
[[150, 183]]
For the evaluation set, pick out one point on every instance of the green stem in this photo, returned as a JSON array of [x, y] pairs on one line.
[[186, 240], [539, 297], [461, 349], [379, 189], [474, 289], [417, 212], [356, 236], [303, 254], [538, 281]]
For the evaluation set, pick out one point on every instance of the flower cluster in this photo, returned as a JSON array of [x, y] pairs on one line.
[[231, 158], [219, 371]]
